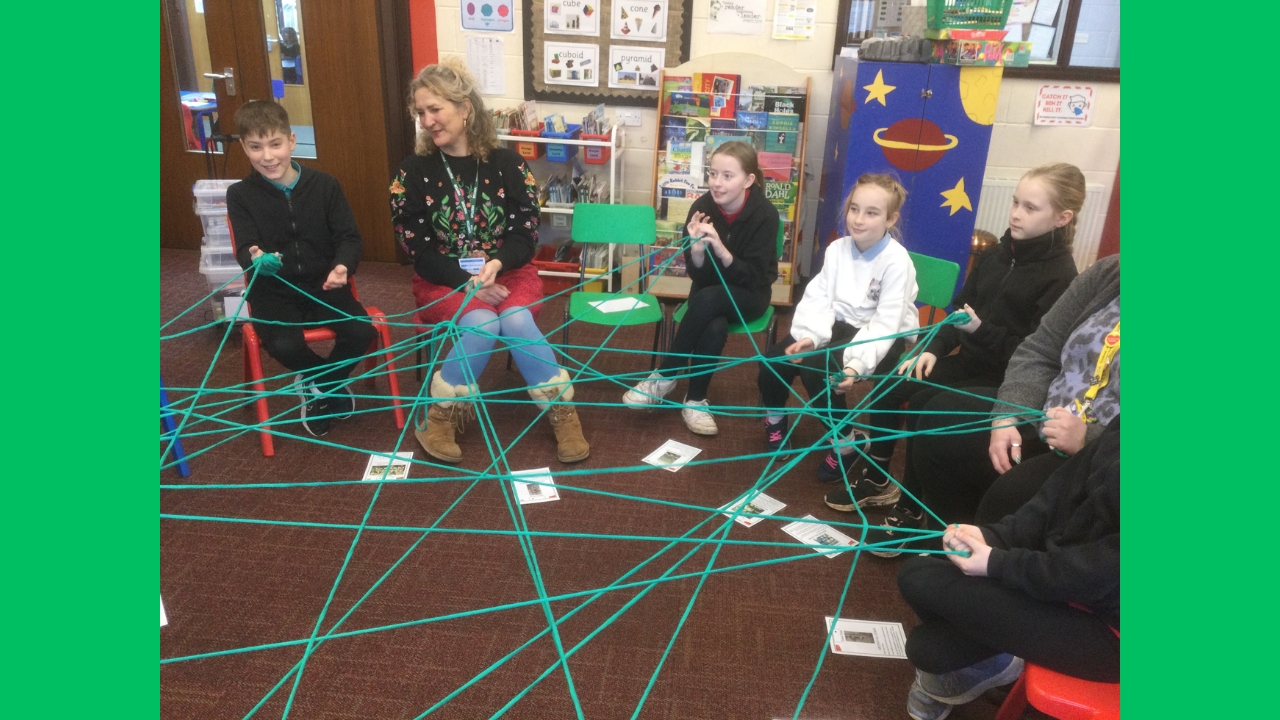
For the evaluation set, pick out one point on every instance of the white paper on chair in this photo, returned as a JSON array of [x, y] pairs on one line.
[[528, 493], [164, 619], [818, 536], [377, 467], [621, 304], [758, 504], [869, 638]]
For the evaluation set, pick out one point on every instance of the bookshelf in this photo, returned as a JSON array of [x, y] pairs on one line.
[[730, 96], [602, 270]]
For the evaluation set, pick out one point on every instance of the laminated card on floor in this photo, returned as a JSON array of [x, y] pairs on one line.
[[758, 504], [868, 638], [817, 535], [377, 467], [538, 491], [672, 455]]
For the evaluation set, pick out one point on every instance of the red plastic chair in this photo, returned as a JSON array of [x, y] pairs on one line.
[[251, 355], [1061, 696], [193, 142]]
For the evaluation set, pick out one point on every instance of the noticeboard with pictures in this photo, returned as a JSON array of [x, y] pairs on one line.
[[602, 51]]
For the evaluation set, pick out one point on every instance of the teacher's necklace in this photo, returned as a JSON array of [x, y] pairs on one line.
[[466, 200]]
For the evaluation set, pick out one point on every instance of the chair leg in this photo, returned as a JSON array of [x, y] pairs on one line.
[[772, 330], [1016, 703], [659, 330], [251, 352], [171, 428], [382, 342]]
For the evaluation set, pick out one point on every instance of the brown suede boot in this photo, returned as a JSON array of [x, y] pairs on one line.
[[570, 445], [444, 417]]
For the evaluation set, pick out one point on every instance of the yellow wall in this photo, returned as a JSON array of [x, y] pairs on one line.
[[199, 47], [297, 99]]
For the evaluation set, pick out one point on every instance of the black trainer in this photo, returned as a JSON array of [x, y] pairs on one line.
[[342, 403], [900, 517], [316, 414], [774, 434], [865, 492]]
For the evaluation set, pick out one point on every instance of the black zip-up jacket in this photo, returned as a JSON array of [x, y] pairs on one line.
[[752, 240], [1012, 285], [1064, 544], [312, 228]]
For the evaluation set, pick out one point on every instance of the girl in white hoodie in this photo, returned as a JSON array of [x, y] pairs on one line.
[[864, 293]]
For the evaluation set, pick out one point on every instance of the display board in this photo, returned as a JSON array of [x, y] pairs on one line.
[[602, 51]]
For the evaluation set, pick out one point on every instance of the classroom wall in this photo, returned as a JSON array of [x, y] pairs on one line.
[[1016, 145]]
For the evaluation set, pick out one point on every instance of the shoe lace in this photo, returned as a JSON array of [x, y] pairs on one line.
[[459, 414]]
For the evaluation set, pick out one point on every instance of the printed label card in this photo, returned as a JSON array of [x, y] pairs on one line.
[[818, 535], [377, 467], [672, 455], [759, 504], [635, 68], [639, 20], [868, 638], [571, 64], [571, 17]]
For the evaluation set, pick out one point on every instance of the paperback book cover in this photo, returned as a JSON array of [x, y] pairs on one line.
[[722, 88], [752, 98], [785, 100], [690, 104], [673, 130], [776, 166], [695, 129], [674, 84], [781, 194]]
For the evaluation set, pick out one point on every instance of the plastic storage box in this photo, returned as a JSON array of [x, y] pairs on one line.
[[216, 225], [218, 256], [211, 195], [969, 14], [596, 155], [529, 150], [562, 153]]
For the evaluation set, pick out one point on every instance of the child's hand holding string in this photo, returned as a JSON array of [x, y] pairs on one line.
[[923, 365], [852, 374], [967, 538], [265, 263]]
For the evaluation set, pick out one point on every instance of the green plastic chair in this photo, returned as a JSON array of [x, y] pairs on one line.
[[612, 225], [936, 280]]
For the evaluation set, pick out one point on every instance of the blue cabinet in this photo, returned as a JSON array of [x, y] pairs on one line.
[[928, 125]]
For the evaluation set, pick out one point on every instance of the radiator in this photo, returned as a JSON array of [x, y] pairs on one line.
[[997, 196]]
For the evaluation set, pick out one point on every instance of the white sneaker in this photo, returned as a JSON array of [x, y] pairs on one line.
[[650, 391], [699, 421]]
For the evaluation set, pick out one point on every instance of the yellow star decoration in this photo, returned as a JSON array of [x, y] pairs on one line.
[[957, 198], [877, 90]]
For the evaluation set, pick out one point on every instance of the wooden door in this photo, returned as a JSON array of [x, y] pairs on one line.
[[355, 66]]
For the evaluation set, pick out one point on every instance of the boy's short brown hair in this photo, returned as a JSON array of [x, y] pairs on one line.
[[260, 117]]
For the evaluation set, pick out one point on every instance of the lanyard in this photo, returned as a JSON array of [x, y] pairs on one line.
[[1101, 374], [465, 201]]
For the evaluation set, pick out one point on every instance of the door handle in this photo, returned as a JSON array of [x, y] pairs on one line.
[[228, 75]]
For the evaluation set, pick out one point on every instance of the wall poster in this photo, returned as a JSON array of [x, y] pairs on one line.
[[639, 20], [571, 64], [635, 67], [571, 17]]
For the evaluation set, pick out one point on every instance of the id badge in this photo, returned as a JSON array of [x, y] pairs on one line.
[[472, 265]]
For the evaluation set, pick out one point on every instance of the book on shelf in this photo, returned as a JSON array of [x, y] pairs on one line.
[[715, 141], [751, 98], [776, 166], [667, 261], [784, 274], [686, 158], [782, 195], [690, 104], [673, 130], [676, 209], [785, 100], [674, 84], [718, 124], [721, 89], [679, 186], [781, 133], [695, 129], [752, 120]]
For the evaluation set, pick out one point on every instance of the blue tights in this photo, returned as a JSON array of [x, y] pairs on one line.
[[482, 328]]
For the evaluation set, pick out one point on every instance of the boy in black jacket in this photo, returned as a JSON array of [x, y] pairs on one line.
[[1041, 585], [293, 223]]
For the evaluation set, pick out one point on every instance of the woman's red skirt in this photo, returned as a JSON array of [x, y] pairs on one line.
[[438, 303]]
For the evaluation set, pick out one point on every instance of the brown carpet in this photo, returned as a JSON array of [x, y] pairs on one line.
[[747, 650]]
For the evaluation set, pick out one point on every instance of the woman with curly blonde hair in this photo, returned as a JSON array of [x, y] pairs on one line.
[[466, 211]]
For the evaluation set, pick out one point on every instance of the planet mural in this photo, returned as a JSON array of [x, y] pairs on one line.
[[913, 144]]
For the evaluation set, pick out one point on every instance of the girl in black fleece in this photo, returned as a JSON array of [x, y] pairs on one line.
[[1041, 585], [732, 264], [1011, 286]]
